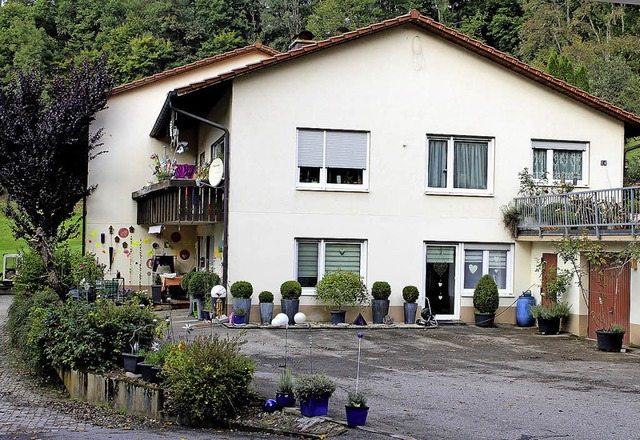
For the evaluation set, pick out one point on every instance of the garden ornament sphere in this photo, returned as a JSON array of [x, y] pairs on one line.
[[269, 405], [280, 320], [360, 335], [299, 318]]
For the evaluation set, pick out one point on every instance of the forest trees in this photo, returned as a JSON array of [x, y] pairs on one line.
[[143, 37], [45, 146]]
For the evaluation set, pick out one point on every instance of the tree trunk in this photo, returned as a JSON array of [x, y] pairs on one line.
[[41, 245]]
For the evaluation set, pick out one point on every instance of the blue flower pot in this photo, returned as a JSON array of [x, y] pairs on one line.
[[356, 415], [285, 400], [238, 319], [315, 406]]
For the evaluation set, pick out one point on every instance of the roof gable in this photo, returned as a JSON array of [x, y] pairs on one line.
[[631, 121], [257, 47]]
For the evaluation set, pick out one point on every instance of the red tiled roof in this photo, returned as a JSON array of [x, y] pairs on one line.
[[257, 47], [442, 31]]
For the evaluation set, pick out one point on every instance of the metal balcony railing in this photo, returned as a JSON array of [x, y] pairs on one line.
[[178, 201], [614, 211]]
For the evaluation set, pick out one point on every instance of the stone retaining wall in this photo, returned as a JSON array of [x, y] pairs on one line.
[[122, 395]]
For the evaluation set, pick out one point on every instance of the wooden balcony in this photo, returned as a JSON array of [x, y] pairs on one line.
[[609, 212], [178, 201]]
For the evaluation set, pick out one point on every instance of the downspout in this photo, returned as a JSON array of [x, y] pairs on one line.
[[225, 203]]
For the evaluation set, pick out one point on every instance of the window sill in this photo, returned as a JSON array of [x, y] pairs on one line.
[[501, 295], [333, 189], [457, 193]]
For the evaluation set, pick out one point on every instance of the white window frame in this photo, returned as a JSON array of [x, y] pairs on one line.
[[449, 189], [323, 185], [322, 243], [485, 248], [555, 145]]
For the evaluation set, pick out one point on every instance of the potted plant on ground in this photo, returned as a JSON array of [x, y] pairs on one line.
[[241, 292], [156, 289], [239, 315], [290, 292], [380, 291], [284, 395], [132, 359], [611, 338], [266, 306], [410, 295], [485, 301], [153, 362], [356, 409], [200, 284], [551, 310], [339, 289], [313, 392]]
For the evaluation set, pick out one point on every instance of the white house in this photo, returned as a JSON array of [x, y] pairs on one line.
[[388, 150]]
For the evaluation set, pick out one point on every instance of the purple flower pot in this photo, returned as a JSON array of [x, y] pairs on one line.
[[315, 406], [356, 415]]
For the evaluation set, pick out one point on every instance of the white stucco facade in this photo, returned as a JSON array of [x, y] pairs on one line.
[[400, 88]]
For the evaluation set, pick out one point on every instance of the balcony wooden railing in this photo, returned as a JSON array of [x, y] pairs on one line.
[[178, 201], [613, 211]]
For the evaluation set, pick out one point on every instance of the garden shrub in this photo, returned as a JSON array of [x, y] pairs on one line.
[[20, 320], [381, 290], [410, 294], [71, 267], [88, 336], [290, 290], [241, 289], [208, 380]]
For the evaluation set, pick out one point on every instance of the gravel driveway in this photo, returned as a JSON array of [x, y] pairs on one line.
[[453, 382]]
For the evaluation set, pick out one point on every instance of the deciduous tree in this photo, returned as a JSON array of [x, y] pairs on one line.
[[45, 146]]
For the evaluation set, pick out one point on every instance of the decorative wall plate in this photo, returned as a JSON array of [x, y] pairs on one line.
[[176, 237], [184, 254], [123, 232], [150, 263]]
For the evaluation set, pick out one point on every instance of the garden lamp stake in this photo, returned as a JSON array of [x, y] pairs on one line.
[[358, 368], [310, 350]]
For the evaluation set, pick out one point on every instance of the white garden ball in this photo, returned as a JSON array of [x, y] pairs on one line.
[[280, 320], [299, 318]]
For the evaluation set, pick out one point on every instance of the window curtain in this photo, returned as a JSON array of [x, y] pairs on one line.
[[498, 268], [473, 269], [539, 163], [342, 256], [470, 162], [440, 254], [437, 164], [308, 263], [567, 165]]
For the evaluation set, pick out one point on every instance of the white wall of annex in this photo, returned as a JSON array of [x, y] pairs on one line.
[[399, 85], [125, 165]]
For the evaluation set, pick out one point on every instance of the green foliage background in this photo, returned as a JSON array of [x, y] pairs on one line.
[[597, 40]]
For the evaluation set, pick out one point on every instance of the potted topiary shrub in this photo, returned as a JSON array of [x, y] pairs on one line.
[[380, 291], [266, 306], [200, 284], [156, 289], [485, 301], [241, 292], [290, 292], [356, 409], [284, 395], [410, 295], [340, 289], [239, 315], [313, 392], [611, 338]]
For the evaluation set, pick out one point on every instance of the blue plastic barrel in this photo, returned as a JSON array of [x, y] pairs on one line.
[[523, 315]]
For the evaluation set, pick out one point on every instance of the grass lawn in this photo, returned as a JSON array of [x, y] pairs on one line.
[[9, 245]]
